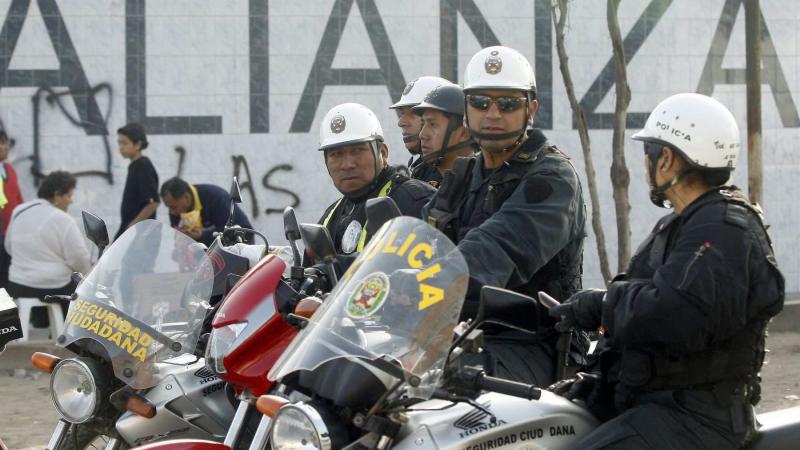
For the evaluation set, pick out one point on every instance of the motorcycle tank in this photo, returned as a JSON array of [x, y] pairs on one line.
[[188, 401], [551, 422]]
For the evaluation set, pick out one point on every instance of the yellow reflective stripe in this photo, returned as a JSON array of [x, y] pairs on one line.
[[330, 214], [382, 193]]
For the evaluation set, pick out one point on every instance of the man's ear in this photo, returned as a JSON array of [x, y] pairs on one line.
[[385, 153]]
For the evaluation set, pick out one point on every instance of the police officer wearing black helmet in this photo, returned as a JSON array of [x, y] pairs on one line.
[[410, 125], [685, 326], [351, 139], [443, 137], [515, 211]]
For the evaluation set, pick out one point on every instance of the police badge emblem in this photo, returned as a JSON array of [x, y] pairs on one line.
[[408, 88], [493, 63], [338, 123], [368, 297], [351, 237]]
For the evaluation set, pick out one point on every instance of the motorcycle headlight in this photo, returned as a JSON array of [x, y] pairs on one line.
[[74, 389], [220, 344], [300, 427]]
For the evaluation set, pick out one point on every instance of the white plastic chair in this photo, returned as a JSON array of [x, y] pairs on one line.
[[54, 315]]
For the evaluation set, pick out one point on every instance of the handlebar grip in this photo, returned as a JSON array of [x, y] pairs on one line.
[[57, 298], [513, 388]]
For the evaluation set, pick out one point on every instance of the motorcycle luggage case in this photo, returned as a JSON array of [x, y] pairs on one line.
[[10, 327]]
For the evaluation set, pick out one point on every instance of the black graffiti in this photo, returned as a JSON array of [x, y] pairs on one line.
[[240, 162], [55, 98], [771, 70], [181, 151], [266, 183], [323, 74], [136, 83]]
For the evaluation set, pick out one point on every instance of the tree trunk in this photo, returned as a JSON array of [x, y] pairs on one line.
[[559, 20], [620, 178]]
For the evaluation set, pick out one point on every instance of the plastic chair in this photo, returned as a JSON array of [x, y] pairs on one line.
[[54, 316]]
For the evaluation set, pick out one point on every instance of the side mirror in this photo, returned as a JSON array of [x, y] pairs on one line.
[[379, 211], [319, 244], [96, 230], [236, 192], [507, 308], [291, 228]]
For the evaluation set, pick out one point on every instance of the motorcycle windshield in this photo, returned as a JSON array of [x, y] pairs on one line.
[[143, 302], [400, 300]]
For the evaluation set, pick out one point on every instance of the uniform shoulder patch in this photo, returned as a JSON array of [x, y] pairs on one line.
[[537, 190]]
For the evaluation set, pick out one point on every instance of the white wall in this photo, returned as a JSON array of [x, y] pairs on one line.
[[200, 58]]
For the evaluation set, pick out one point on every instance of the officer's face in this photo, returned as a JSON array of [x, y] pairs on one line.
[[494, 121], [434, 127], [409, 124], [353, 166]]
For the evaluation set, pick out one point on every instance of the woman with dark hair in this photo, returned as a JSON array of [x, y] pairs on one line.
[[140, 197], [45, 243]]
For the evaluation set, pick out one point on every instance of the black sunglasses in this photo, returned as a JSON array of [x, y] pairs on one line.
[[504, 103]]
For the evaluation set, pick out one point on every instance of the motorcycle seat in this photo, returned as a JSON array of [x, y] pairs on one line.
[[779, 430]]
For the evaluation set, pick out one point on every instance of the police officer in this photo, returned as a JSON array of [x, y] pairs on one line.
[[443, 136], [685, 326], [351, 138], [410, 124], [516, 210]]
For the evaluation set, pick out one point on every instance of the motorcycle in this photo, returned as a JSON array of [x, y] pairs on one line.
[[134, 323], [258, 320], [380, 368]]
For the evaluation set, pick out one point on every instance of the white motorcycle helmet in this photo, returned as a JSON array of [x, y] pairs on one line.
[[416, 91], [697, 126], [349, 123], [700, 129], [500, 68]]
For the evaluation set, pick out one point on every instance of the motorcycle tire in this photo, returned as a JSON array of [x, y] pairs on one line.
[[82, 437]]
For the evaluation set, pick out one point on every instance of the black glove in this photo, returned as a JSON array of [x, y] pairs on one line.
[[583, 310], [581, 386]]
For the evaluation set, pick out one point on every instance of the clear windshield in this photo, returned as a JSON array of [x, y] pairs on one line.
[[400, 300], [144, 301]]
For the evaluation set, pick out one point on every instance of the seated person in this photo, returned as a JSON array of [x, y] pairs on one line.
[[45, 244]]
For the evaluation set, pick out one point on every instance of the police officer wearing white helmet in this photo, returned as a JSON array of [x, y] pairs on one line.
[[410, 124], [356, 156], [516, 212], [685, 325]]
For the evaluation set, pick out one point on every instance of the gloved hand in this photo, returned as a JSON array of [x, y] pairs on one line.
[[581, 386], [583, 310]]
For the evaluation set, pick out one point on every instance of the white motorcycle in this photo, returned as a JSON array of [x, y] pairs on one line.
[[379, 369]]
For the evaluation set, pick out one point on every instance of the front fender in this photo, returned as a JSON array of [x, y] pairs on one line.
[[186, 444]]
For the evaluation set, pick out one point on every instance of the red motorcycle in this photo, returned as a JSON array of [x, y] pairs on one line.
[[253, 326]]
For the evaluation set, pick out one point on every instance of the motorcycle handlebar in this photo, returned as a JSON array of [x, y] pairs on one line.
[[513, 388]]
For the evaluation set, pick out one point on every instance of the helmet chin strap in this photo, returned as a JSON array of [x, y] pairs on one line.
[[417, 149], [518, 133], [657, 191], [436, 157]]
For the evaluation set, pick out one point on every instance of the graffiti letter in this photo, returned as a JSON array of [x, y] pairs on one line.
[[265, 182]]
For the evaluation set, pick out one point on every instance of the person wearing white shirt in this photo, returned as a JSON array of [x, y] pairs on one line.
[[45, 243]]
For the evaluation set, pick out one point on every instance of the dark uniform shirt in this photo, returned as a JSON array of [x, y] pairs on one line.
[[216, 203], [350, 213], [685, 329], [141, 188], [521, 227], [426, 172]]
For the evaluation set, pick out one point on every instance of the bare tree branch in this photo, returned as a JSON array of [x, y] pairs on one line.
[[620, 178], [560, 20]]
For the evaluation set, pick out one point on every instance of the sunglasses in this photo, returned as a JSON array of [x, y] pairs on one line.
[[504, 104]]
